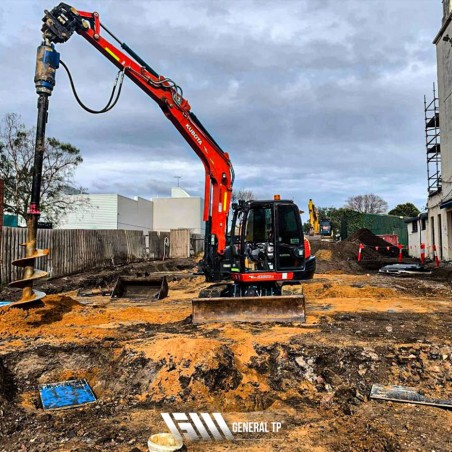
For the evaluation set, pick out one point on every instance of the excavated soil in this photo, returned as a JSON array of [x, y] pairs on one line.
[[145, 358]]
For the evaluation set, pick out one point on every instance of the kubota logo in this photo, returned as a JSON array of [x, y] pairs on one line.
[[179, 423], [195, 136]]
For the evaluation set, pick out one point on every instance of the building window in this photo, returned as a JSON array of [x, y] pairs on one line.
[[424, 224], [414, 227]]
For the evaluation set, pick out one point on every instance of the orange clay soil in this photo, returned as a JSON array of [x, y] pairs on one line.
[[62, 318], [145, 358]]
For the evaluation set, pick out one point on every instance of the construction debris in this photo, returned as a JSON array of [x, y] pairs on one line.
[[404, 270], [407, 395]]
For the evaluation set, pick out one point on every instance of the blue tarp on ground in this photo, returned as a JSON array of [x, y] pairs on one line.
[[66, 394]]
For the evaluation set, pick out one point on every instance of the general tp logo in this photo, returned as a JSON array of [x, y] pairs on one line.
[[208, 427], [208, 430]]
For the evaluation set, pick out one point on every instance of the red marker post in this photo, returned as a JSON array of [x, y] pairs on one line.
[[422, 253], [400, 247], [435, 256], [360, 252]]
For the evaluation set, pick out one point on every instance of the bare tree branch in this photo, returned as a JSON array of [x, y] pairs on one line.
[[242, 194], [369, 203], [16, 169]]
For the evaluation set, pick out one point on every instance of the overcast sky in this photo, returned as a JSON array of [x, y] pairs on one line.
[[311, 98]]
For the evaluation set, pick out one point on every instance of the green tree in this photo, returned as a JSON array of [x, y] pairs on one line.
[[16, 169], [405, 210]]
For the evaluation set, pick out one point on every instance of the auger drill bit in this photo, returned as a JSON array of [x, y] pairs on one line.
[[47, 61]]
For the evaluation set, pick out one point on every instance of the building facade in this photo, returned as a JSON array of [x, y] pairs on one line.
[[109, 211], [439, 203], [418, 235], [181, 211], [112, 211]]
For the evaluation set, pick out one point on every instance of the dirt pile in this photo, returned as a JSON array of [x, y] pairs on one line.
[[342, 257], [367, 237]]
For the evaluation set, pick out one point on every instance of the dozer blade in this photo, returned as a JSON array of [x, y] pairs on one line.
[[141, 288], [283, 308]]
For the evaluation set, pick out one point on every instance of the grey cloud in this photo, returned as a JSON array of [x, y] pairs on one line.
[[329, 102]]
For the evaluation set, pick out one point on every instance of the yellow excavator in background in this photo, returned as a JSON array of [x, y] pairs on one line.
[[318, 227], [314, 223]]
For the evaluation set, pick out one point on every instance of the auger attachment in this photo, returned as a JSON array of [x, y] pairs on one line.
[[30, 275], [47, 61]]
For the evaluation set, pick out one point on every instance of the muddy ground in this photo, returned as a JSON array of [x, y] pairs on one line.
[[145, 358]]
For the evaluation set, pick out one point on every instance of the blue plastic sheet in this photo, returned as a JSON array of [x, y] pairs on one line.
[[66, 394], [5, 303]]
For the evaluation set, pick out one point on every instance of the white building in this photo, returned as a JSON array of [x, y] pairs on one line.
[[111, 211], [440, 197], [418, 235], [179, 211]]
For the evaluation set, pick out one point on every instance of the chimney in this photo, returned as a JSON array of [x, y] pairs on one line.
[[447, 4]]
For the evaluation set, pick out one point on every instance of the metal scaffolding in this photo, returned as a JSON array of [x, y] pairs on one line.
[[432, 143]]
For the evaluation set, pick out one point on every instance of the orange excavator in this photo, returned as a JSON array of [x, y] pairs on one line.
[[265, 248]]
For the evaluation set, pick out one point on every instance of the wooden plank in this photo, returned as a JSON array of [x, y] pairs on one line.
[[180, 243]]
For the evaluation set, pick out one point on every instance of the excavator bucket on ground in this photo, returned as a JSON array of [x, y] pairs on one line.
[[141, 288], [282, 308]]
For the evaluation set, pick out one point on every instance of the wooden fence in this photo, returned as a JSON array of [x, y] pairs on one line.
[[71, 250], [76, 250]]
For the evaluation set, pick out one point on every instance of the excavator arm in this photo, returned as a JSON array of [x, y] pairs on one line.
[[61, 22]]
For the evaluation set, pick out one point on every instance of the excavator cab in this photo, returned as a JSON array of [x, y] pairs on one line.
[[267, 250], [267, 242]]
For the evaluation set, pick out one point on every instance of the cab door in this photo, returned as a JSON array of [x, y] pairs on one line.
[[289, 238]]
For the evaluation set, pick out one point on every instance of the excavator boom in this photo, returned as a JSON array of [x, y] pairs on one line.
[[61, 22]]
